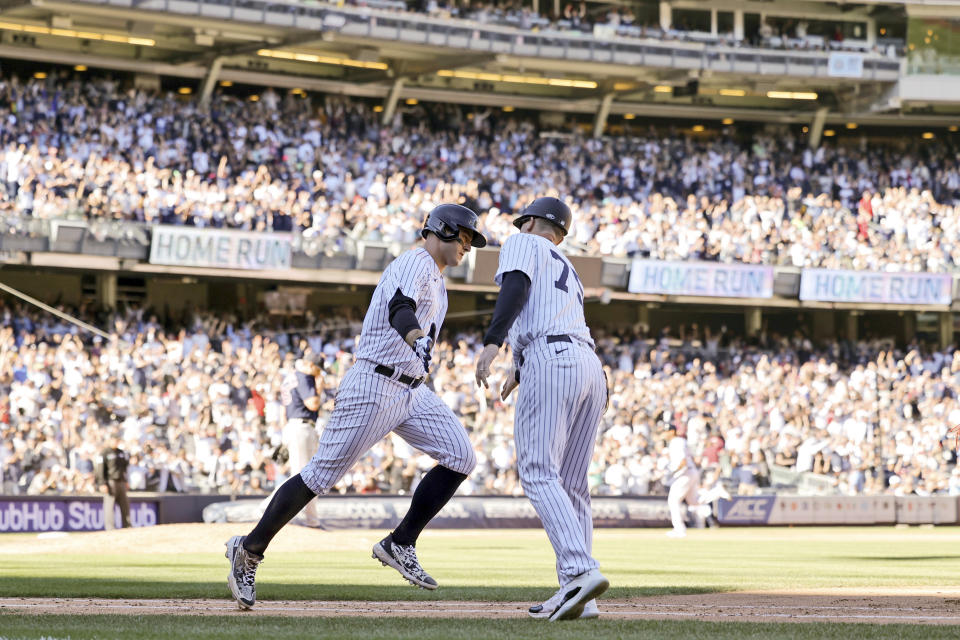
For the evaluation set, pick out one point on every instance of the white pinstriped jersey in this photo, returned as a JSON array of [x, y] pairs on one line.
[[680, 452], [417, 276], [555, 305]]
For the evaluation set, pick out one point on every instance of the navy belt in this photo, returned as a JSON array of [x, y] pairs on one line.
[[560, 337], [403, 378]]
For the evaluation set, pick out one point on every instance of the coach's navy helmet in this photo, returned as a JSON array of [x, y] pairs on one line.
[[550, 209], [446, 221]]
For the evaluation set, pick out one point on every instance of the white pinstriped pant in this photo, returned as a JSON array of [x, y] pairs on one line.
[[683, 488], [300, 438], [368, 407], [563, 394]]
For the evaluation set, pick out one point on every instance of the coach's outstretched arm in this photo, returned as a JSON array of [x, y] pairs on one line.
[[514, 293]]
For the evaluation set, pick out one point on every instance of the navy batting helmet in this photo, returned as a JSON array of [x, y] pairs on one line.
[[550, 209], [447, 220]]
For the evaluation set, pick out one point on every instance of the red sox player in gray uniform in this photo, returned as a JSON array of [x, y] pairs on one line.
[[562, 396], [384, 392]]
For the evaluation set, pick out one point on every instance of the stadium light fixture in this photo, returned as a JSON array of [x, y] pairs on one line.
[[412, 101], [954, 128], [829, 133], [184, 91], [663, 88], [851, 125], [927, 135], [727, 121], [806, 129], [378, 108], [508, 109], [73, 33], [733, 93], [254, 98], [792, 95], [629, 116], [226, 83], [40, 75], [698, 128], [310, 57], [80, 67], [516, 79]]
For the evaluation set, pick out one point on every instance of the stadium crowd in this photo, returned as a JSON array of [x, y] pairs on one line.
[[198, 408], [642, 20], [327, 168]]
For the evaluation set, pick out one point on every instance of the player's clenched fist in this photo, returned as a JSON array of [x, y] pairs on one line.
[[422, 346]]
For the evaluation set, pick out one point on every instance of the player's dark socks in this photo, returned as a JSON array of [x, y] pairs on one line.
[[287, 502], [434, 491]]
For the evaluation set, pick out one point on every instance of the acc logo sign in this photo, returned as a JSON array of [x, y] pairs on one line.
[[754, 510]]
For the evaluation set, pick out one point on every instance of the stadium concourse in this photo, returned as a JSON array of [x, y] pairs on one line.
[[80, 146], [195, 401]]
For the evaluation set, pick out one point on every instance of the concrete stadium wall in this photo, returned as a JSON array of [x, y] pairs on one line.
[[46, 285], [176, 294]]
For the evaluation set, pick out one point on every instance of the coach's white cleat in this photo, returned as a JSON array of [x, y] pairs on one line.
[[546, 609], [243, 572], [676, 533], [575, 595], [403, 558]]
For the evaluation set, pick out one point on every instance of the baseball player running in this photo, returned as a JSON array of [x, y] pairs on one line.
[[301, 403], [563, 393], [384, 392], [684, 481]]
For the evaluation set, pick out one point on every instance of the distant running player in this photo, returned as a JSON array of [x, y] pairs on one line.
[[301, 402], [563, 394], [384, 392]]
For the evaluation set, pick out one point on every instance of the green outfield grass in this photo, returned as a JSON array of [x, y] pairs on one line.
[[492, 565], [515, 565]]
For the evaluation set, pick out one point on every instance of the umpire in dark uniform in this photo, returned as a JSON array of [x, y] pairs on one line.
[[301, 400], [112, 471]]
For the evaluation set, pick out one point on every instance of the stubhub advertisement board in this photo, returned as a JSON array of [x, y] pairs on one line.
[[35, 516]]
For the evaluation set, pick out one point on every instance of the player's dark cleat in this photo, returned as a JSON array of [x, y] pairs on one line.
[[577, 593], [243, 572], [403, 558], [545, 609]]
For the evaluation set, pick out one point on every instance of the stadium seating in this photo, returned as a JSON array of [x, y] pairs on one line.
[[326, 168], [198, 408]]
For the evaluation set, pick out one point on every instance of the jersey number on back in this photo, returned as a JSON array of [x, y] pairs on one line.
[[561, 282]]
